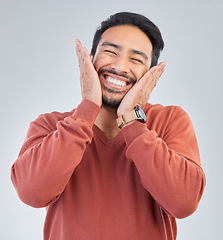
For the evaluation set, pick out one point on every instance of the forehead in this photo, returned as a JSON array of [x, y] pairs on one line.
[[128, 37]]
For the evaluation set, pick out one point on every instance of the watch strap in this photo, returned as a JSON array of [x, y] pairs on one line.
[[126, 118]]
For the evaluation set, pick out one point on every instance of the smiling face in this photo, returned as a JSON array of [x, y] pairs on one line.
[[122, 57]]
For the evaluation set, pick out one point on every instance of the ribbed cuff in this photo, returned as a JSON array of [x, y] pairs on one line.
[[134, 130], [87, 111]]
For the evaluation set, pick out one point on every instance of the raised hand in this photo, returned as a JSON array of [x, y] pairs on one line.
[[90, 84], [140, 93]]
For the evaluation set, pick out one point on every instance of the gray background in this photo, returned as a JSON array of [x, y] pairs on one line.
[[39, 73]]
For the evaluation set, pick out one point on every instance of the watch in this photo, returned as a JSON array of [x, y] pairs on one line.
[[136, 114]]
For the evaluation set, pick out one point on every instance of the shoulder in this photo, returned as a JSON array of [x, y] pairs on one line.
[[86, 111], [57, 115], [161, 118], [49, 120], [158, 110]]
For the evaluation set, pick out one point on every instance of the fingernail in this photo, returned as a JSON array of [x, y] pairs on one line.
[[76, 43], [164, 65]]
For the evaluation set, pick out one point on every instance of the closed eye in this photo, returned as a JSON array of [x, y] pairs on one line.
[[109, 51], [137, 60]]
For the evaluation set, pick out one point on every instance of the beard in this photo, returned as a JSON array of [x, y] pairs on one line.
[[110, 102], [111, 97]]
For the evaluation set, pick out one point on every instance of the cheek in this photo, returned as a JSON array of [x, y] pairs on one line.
[[140, 72], [100, 61]]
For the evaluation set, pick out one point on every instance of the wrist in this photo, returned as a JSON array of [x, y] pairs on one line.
[[136, 114], [129, 123], [95, 101]]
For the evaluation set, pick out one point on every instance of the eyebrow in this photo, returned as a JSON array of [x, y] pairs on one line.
[[119, 47], [111, 45], [140, 53]]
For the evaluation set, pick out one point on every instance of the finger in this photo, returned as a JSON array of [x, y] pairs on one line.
[[159, 72], [156, 73], [83, 56], [156, 76], [151, 78], [78, 43], [82, 52], [161, 66], [78, 46], [148, 78], [79, 51], [87, 60], [86, 55]]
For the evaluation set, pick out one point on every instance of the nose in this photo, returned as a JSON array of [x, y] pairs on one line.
[[121, 65]]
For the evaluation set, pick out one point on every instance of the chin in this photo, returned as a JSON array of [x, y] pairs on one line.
[[112, 103]]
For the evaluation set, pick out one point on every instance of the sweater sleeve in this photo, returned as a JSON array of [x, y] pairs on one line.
[[169, 167], [49, 156]]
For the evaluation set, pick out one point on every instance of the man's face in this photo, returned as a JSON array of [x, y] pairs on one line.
[[123, 56]]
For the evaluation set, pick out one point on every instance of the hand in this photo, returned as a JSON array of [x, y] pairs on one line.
[[140, 93], [90, 83]]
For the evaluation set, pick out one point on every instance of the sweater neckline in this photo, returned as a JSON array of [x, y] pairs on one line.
[[110, 142]]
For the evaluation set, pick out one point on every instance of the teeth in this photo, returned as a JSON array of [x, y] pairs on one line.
[[116, 82]]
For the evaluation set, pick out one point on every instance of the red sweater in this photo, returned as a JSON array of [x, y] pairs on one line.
[[132, 186]]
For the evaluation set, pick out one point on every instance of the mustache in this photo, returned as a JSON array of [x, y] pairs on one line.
[[104, 70]]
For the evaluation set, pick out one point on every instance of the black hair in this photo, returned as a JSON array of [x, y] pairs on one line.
[[132, 19]]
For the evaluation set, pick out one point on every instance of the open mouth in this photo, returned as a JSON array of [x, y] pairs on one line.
[[116, 80]]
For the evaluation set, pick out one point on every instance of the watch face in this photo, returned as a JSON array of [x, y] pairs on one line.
[[140, 114]]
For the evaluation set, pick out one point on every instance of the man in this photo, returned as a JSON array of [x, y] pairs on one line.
[[116, 167]]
